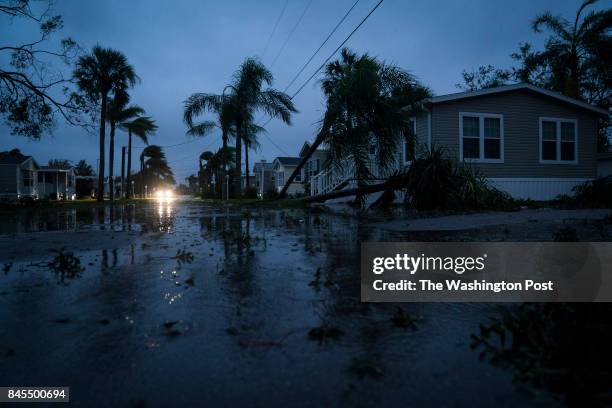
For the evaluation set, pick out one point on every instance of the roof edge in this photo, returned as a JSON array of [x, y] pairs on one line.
[[515, 87]]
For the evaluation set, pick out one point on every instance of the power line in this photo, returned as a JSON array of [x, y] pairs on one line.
[[321, 46], [205, 147], [331, 55], [291, 33], [172, 145], [280, 16], [337, 49]]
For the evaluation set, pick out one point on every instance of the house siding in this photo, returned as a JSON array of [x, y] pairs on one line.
[[8, 179], [422, 134], [521, 112]]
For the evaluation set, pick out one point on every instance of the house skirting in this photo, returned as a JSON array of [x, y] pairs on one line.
[[536, 188]]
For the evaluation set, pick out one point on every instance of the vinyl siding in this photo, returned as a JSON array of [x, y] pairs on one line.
[[521, 112], [8, 179], [422, 124]]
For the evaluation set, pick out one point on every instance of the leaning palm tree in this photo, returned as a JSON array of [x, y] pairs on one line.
[[368, 103], [142, 127], [577, 51], [249, 97], [118, 113], [98, 74]]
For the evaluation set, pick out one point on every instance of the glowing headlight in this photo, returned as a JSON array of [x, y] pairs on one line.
[[164, 195]]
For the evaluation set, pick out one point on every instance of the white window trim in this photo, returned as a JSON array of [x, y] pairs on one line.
[[403, 154], [558, 122], [481, 117]]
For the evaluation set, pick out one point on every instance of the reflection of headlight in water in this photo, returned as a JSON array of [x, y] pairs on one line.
[[164, 195]]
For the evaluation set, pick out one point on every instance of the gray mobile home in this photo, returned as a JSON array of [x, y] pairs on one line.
[[529, 142], [17, 176]]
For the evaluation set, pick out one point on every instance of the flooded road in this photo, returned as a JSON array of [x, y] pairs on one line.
[[160, 304]]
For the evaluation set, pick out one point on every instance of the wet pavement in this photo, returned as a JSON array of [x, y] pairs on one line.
[[160, 304]]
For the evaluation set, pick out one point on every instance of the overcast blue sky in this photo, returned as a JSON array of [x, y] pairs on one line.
[[182, 47]]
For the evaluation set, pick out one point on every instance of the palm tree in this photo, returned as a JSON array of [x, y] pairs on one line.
[[154, 168], [250, 141], [98, 74], [205, 174], [118, 114], [142, 127], [220, 105], [82, 168], [578, 52], [368, 103], [248, 97]]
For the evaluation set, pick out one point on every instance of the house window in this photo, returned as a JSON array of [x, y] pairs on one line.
[[481, 137], [280, 180], [298, 178], [41, 176], [410, 143], [558, 140], [28, 180]]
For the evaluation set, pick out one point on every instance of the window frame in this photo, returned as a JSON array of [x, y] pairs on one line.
[[405, 160], [481, 137], [558, 122]]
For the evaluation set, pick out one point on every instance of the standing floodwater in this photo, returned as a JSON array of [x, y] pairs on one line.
[[179, 303]]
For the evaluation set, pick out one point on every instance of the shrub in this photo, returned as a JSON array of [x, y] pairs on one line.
[[249, 192], [594, 194], [433, 182], [430, 180], [566, 234], [271, 194]]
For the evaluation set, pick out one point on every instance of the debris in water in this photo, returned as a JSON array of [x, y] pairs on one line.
[[65, 264], [403, 319], [324, 333]]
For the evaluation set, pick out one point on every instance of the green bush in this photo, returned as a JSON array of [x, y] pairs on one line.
[[430, 180], [249, 192], [594, 194], [433, 182]]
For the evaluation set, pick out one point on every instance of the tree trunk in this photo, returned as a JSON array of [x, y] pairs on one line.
[[367, 189], [142, 187], [100, 196], [129, 166], [246, 164], [111, 163], [224, 171], [238, 171], [122, 172], [297, 170]]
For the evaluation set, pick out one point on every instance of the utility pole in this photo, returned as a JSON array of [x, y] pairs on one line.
[[122, 171]]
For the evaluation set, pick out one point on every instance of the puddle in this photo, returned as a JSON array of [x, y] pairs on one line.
[[185, 304]]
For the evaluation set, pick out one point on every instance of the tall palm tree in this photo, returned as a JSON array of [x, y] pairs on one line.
[[142, 127], [368, 103], [248, 97], [99, 73], [577, 51], [118, 113]]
